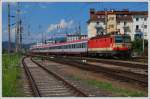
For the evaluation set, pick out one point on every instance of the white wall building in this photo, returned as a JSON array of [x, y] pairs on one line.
[[140, 25]]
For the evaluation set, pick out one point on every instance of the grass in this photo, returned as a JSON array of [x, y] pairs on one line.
[[109, 87], [11, 74]]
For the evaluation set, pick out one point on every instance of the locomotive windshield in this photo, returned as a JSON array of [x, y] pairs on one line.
[[127, 39], [122, 39], [118, 39]]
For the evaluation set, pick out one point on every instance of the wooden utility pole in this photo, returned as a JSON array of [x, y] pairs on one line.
[[9, 38], [18, 30]]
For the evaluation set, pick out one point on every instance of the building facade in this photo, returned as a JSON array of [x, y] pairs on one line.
[[133, 23]]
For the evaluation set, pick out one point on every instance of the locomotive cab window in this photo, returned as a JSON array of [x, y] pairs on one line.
[[118, 39], [127, 39]]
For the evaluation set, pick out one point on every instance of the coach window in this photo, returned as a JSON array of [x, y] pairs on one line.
[[67, 46], [83, 45], [75, 45], [64, 46], [72, 45], [78, 45]]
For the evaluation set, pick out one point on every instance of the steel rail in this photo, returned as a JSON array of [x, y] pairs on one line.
[[101, 69], [76, 90], [32, 81]]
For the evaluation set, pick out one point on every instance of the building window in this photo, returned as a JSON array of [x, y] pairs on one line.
[[137, 19], [145, 26], [97, 23], [125, 23], [137, 27], [145, 19]]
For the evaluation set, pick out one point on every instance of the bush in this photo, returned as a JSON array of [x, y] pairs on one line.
[[137, 46]]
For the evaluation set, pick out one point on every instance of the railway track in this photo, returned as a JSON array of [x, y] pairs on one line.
[[46, 83], [130, 64], [122, 63], [127, 76]]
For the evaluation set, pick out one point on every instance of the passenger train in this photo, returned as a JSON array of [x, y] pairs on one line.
[[105, 45]]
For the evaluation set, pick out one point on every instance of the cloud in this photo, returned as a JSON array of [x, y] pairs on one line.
[[63, 24]]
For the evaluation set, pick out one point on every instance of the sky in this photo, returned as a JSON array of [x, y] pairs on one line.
[[56, 19]]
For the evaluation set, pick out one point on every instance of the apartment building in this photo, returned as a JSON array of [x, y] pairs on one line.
[[133, 23]]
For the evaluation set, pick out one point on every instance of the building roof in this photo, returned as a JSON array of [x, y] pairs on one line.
[[122, 12], [100, 15]]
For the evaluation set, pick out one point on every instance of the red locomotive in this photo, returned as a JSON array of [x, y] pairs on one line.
[[110, 45]]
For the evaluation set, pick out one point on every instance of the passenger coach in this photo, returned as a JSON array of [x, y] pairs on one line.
[[68, 48]]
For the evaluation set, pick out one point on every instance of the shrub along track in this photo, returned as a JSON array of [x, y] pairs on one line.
[[46, 83]]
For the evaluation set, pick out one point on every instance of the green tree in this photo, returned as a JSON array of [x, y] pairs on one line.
[[137, 45]]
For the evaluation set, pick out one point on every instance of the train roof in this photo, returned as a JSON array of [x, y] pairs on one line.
[[58, 44]]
